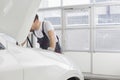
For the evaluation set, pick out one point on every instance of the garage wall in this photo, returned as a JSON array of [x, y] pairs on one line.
[[106, 63], [100, 63], [81, 59]]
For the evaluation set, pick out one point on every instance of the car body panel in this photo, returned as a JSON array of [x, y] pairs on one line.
[[9, 67], [44, 65], [18, 63]]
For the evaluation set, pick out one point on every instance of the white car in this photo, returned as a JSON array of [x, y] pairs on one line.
[[18, 63]]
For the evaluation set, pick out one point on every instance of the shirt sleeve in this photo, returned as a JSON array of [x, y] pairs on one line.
[[48, 26]]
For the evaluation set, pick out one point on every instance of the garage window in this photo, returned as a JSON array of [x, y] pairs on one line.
[[107, 40], [107, 32], [50, 3], [77, 30], [78, 17], [91, 28], [107, 15], [77, 40]]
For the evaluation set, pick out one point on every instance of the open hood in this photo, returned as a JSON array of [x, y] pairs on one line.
[[16, 17]]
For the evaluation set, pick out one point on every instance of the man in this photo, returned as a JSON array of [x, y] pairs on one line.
[[46, 37]]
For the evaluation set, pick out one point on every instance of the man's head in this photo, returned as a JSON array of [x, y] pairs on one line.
[[36, 23]]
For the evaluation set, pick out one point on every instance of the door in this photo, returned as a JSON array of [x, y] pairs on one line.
[[76, 36]]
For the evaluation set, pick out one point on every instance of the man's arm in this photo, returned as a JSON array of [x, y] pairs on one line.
[[51, 35]]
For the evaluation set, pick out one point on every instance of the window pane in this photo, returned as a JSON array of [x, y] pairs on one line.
[[107, 40], [107, 15], [75, 2], [77, 39], [54, 16], [50, 3], [107, 0], [79, 17]]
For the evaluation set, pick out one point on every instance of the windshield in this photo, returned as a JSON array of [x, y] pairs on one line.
[[1, 46]]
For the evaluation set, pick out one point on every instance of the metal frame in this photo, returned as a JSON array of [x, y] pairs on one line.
[[92, 24]]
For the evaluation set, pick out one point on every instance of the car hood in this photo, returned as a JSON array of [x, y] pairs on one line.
[[32, 57], [52, 55], [16, 17]]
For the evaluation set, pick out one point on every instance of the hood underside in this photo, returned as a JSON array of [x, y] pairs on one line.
[[16, 17]]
